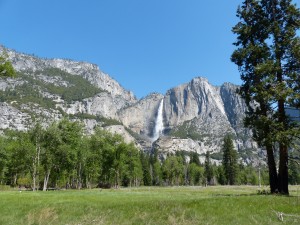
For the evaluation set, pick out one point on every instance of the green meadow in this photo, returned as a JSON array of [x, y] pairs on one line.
[[153, 205]]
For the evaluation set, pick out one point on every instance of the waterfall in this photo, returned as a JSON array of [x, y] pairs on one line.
[[159, 123]]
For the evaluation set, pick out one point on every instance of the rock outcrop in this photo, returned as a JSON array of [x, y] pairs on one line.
[[140, 117]]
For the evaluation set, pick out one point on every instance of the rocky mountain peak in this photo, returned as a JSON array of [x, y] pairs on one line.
[[89, 71]]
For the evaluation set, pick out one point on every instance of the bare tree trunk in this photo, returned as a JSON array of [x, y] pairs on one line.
[[46, 179], [87, 184], [35, 164], [34, 174], [38, 163], [79, 183], [15, 178]]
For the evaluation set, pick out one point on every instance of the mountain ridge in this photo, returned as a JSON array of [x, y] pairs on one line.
[[203, 111]]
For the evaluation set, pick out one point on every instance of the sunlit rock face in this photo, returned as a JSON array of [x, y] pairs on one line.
[[141, 116], [208, 113]]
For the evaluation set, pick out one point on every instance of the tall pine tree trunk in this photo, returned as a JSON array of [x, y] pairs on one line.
[[283, 149], [273, 178], [283, 170], [283, 155], [283, 159]]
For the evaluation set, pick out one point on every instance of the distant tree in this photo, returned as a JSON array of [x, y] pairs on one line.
[[194, 158], [52, 140], [229, 161], [4, 159], [61, 155], [208, 169], [36, 136], [155, 168], [21, 152], [69, 151], [173, 170], [221, 175], [145, 161], [294, 172], [195, 174], [93, 160], [132, 174], [268, 57], [6, 68], [247, 175]]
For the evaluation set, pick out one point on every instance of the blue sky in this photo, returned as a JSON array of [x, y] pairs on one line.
[[147, 46]]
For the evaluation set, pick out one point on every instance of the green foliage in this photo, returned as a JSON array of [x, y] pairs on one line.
[[247, 153], [24, 181], [217, 155], [173, 170], [294, 172], [155, 169], [247, 175], [194, 158], [136, 136], [105, 122], [31, 90], [221, 175], [6, 68], [119, 163], [186, 130], [4, 157], [208, 169], [229, 160], [61, 156], [268, 58], [25, 94], [83, 116], [78, 87], [145, 161], [108, 121], [195, 174]]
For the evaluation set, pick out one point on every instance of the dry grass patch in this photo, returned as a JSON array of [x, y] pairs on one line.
[[42, 217]]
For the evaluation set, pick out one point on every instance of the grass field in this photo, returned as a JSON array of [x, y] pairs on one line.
[[173, 205]]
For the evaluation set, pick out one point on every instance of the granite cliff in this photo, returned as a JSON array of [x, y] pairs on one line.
[[194, 116]]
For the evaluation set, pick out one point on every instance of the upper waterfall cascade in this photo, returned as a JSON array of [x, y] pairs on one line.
[[159, 123]]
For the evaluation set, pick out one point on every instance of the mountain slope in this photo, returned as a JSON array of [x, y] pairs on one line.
[[196, 116], [204, 113], [45, 87]]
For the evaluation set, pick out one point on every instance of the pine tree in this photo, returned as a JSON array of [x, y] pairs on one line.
[[294, 169], [194, 158], [268, 58], [229, 160], [208, 170]]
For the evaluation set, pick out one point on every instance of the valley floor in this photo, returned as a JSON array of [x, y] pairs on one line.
[[153, 205]]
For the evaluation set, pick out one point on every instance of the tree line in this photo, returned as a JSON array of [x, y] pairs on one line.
[[62, 156]]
